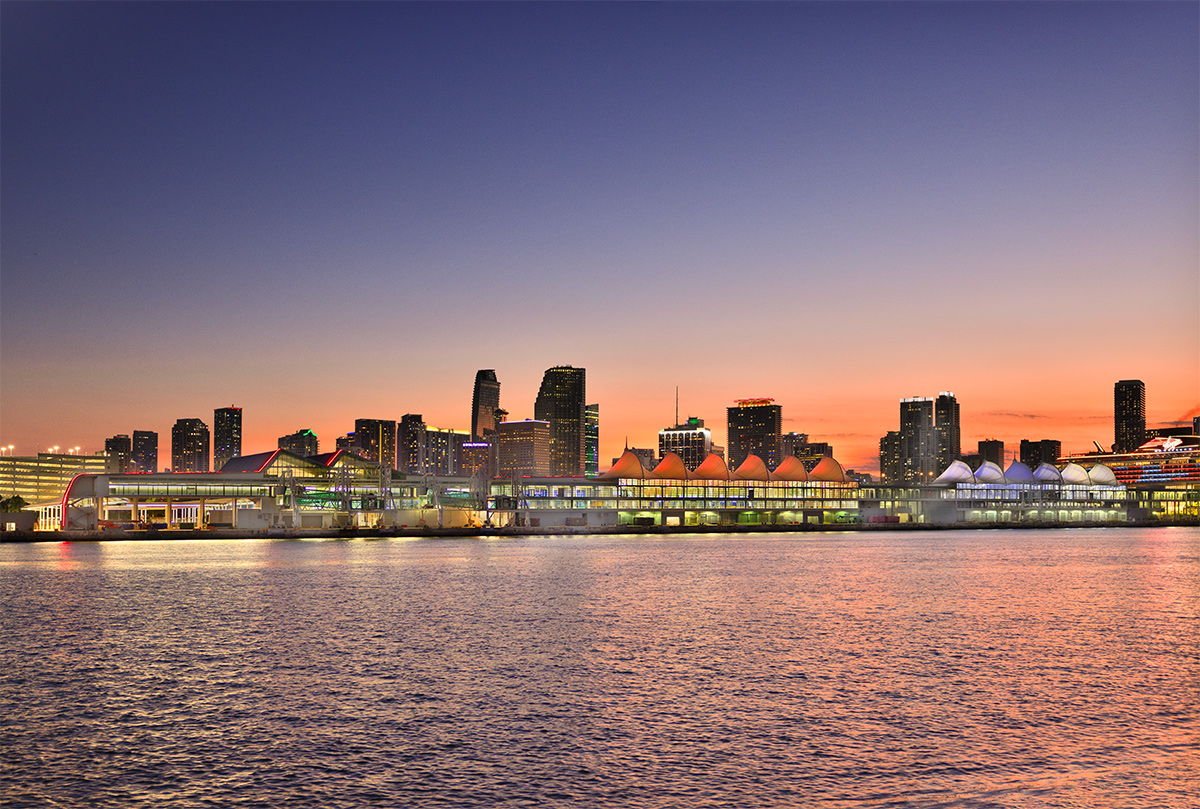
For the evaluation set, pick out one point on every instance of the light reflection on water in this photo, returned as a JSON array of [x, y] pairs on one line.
[[967, 668]]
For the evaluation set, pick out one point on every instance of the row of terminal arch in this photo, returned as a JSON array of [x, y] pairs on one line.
[[989, 472], [671, 467]]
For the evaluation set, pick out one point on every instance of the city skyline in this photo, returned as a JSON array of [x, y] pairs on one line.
[[984, 198], [1012, 450]]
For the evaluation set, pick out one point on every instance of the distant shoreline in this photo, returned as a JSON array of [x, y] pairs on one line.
[[620, 530]]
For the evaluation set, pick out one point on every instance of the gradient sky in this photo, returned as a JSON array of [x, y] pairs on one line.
[[322, 212]]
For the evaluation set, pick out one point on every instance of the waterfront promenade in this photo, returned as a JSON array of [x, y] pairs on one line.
[[514, 531]]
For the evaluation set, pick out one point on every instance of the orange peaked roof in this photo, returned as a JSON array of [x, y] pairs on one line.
[[752, 468], [627, 466], [713, 468], [828, 469], [671, 468], [792, 468]]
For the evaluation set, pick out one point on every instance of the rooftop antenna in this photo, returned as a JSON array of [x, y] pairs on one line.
[[676, 405]]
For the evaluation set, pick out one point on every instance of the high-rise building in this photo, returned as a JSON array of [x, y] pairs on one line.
[[992, 450], [918, 454], [1196, 425], [691, 441], [302, 442], [591, 465], [189, 446], [120, 449], [1039, 452], [561, 403], [891, 469], [227, 435], [523, 448], [476, 458], [145, 452], [411, 445], [929, 436], [377, 439], [946, 428], [1129, 415], [443, 451], [755, 427], [485, 401]]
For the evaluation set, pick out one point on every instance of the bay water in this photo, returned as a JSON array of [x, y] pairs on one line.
[[987, 668]]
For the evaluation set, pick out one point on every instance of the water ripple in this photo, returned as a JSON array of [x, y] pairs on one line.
[[968, 669]]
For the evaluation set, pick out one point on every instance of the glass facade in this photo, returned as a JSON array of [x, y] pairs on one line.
[[227, 435], [561, 403], [189, 446]]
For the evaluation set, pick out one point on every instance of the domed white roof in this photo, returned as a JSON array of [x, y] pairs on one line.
[[1075, 475], [1101, 475], [1018, 472], [956, 472], [1047, 473], [989, 472]]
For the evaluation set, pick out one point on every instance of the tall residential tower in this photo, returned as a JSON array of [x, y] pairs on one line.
[[145, 452], [930, 436], [562, 402], [755, 428], [227, 435], [1129, 415], [190, 443], [377, 440]]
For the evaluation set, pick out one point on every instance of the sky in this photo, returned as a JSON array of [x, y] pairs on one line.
[[327, 211]]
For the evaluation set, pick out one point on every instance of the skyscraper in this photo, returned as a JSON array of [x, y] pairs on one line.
[[120, 449], [145, 452], [443, 451], [891, 469], [485, 401], [946, 428], [562, 402], [918, 453], [691, 441], [189, 446], [755, 428], [929, 436], [1129, 414], [302, 442], [411, 445], [227, 435], [591, 466], [377, 439]]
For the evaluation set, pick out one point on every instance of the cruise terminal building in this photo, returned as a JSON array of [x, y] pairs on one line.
[[280, 490]]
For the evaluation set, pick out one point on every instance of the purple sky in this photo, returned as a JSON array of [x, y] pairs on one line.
[[322, 212]]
